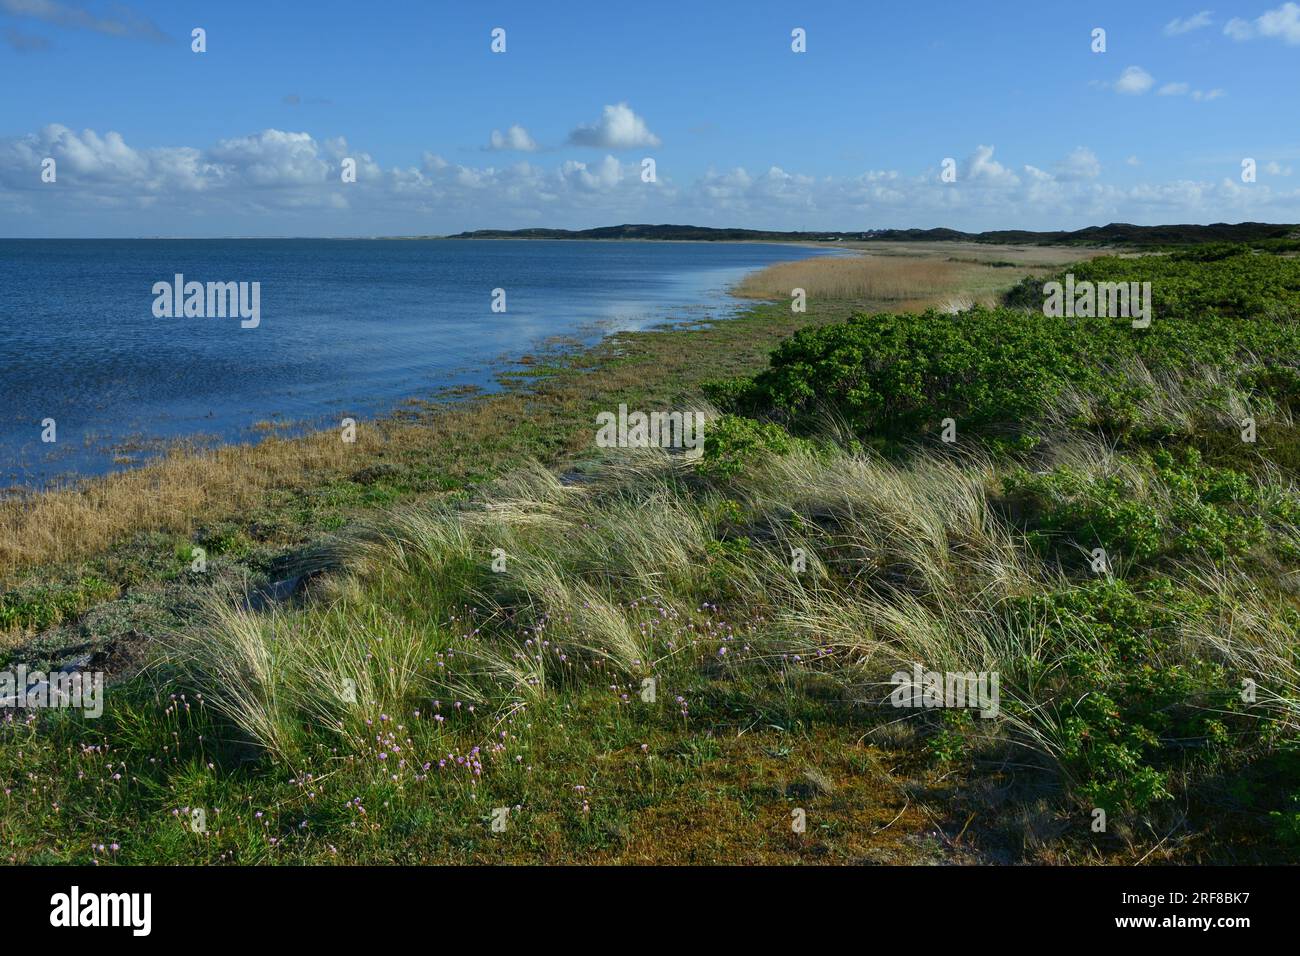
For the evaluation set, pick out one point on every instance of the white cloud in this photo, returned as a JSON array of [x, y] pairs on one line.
[[272, 158], [1133, 81], [1080, 164], [1282, 23], [617, 128], [602, 176], [1185, 89], [1238, 29], [1180, 25], [103, 163], [269, 168], [516, 138], [1132, 161], [981, 167], [279, 182]]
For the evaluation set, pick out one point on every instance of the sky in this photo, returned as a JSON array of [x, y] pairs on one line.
[[249, 137]]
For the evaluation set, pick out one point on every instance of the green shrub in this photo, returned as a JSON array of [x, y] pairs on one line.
[[729, 394], [731, 444], [898, 376], [1189, 509], [228, 540], [1122, 700]]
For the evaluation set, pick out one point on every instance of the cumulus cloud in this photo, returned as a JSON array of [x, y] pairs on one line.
[[278, 182], [1180, 25], [1282, 23], [103, 163], [981, 167], [124, 22], [266, 169], [1133, 81], [1080, 164], [272, 158], [599, 177], [515, 139], [617, 128]]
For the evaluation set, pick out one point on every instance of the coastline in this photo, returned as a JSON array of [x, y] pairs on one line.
[[254, 506], [325, 354], [321, 559], [96, 540]]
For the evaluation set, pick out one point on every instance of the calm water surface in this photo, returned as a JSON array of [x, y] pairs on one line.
[[347, 328]]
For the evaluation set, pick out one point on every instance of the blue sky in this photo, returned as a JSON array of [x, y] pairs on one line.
[[151, 138]]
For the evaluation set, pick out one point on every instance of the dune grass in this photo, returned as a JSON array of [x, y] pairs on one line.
[[863, 277], [906, 276], [650, 656], [423, 677]]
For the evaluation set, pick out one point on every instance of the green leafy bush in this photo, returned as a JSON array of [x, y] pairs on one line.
[[1225, 280], [897, 376], [1124, 697], [729, 394], [1188, 508], [731, 443]]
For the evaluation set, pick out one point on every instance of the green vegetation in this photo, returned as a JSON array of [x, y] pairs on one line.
[[657, 657], [1161, 508], [1107, 476], [1224, 326]]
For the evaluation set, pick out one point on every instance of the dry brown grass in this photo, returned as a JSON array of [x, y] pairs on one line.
[[855, 277], [911, 276], [171, 494], [1027, 257]]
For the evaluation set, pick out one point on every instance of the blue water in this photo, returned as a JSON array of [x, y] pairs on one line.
[[347, 328]]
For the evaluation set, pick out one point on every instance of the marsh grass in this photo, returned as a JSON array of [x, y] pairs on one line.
[[911, 276], [415, 683], [648, 571], [857, 277]]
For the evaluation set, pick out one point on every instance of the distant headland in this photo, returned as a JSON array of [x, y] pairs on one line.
[[1115, 233]]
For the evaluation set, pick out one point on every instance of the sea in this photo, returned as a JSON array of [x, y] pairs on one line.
[[96, 355]]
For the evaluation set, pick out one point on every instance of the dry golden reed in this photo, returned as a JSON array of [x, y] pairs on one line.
[[856, 277]]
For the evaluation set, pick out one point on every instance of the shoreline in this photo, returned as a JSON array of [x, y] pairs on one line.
[[38, 469], [321, 560], [253, 505]]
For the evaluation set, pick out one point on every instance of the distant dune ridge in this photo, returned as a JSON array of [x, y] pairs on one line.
[[1120, 233]]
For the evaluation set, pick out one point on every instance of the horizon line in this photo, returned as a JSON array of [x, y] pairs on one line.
[[467, 233]]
